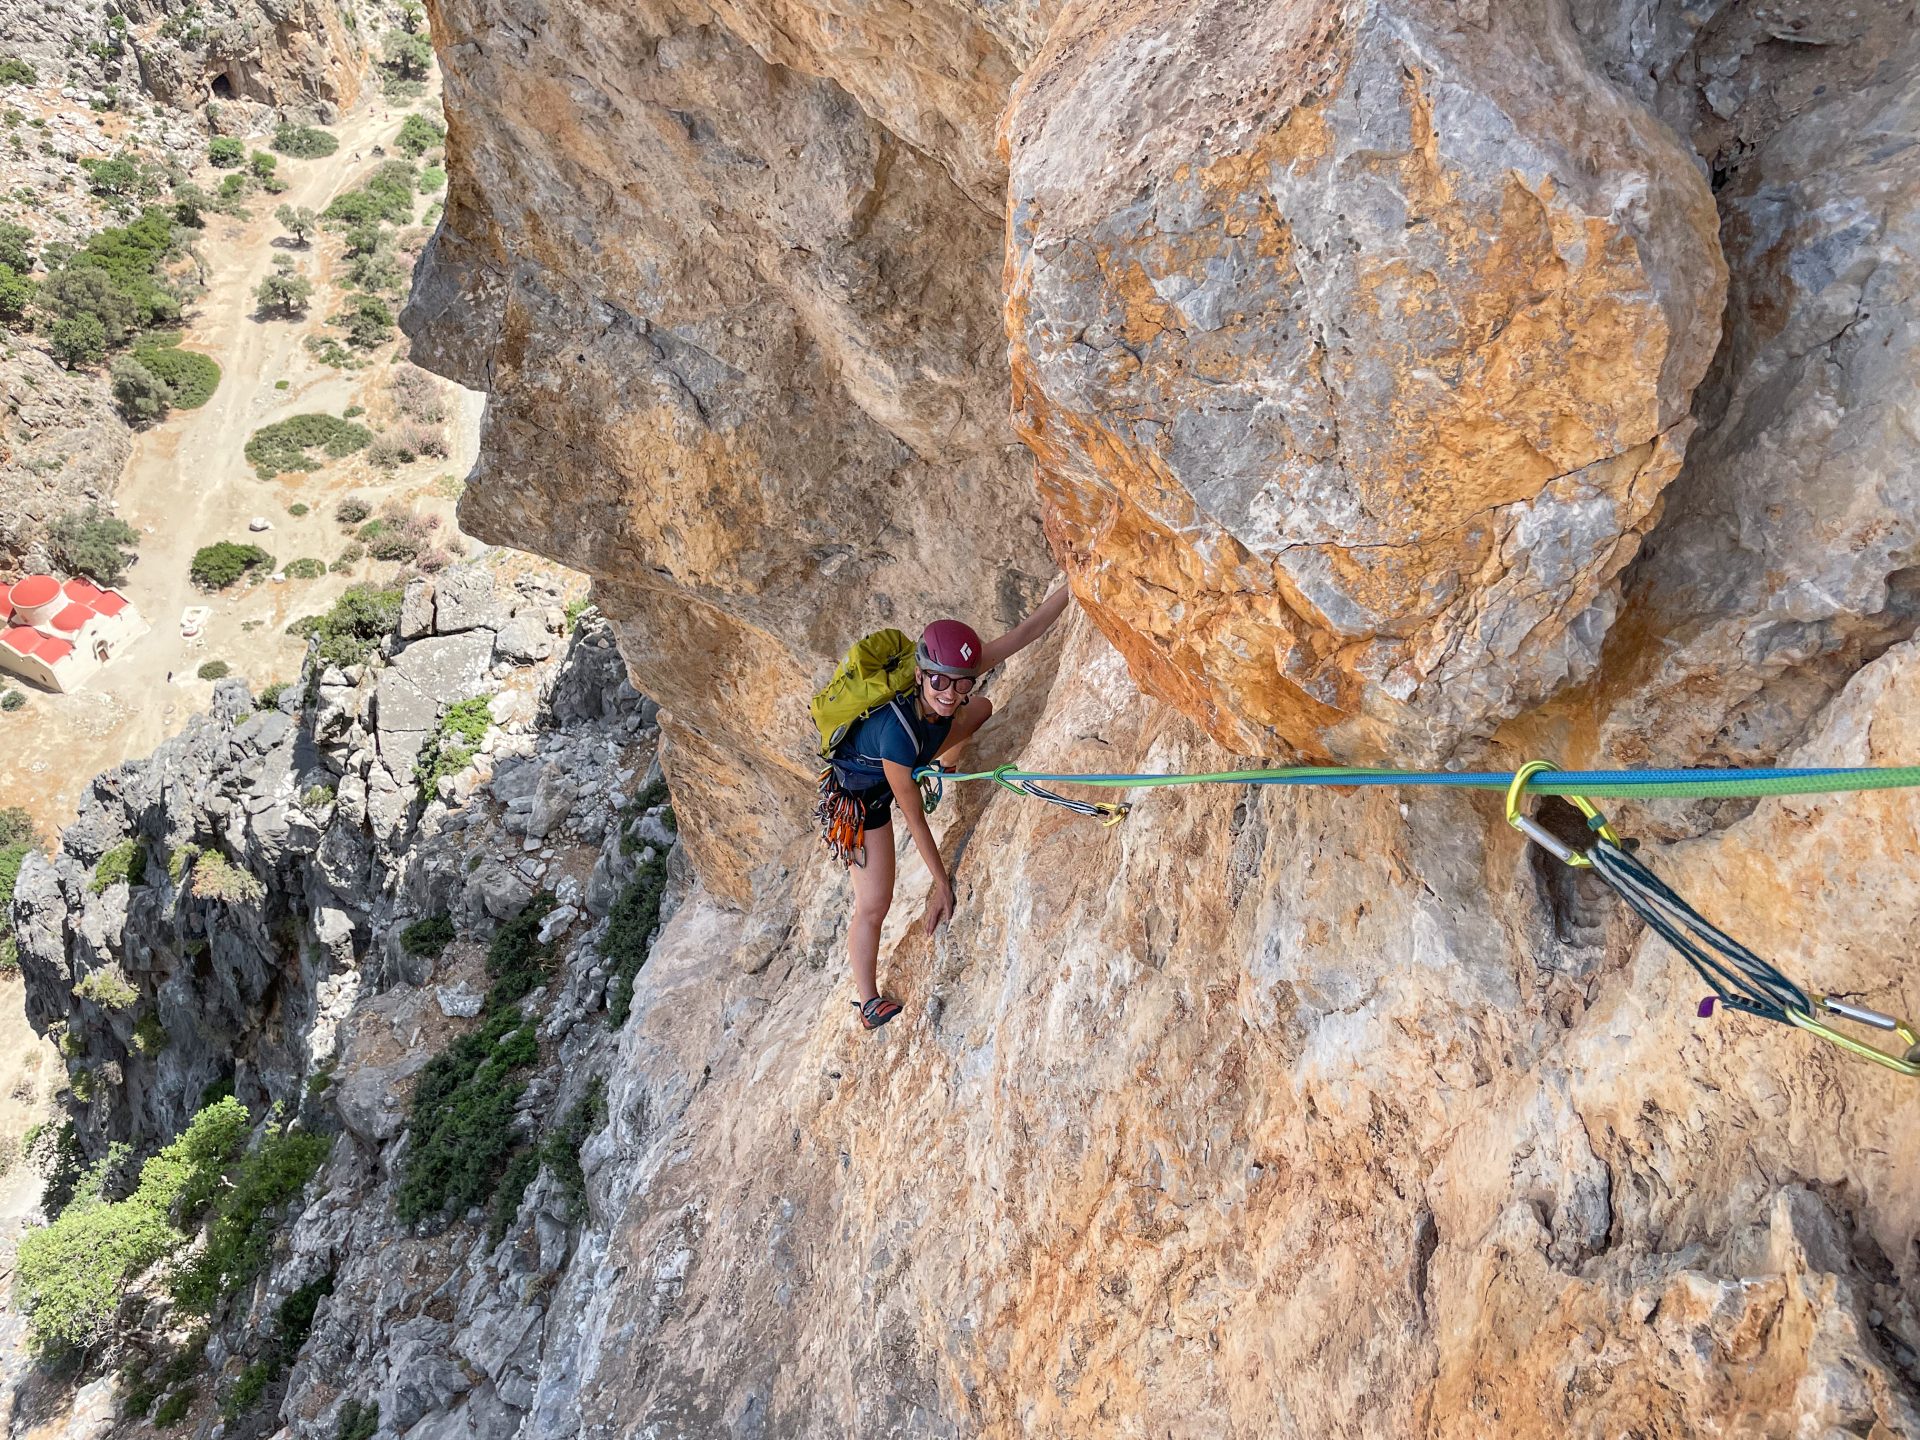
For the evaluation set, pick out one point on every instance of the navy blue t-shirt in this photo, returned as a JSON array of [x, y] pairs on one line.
[[893, 732]]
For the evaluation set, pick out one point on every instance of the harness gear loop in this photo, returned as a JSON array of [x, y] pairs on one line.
[[1539, 834], [842, 819], [1907, 1064]]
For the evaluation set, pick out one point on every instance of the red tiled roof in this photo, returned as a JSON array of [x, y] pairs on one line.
[[53, 651], [109, 603], [6, 606], [22, 639], [35, 590], [73, 617], [80, 590]]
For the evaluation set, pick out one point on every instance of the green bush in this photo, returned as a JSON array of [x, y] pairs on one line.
[[305, 568], [261, 165], [386, 195], [461, 1122], [149, 1035], [125, 862], [241, 1233], [360, 619], [516, 959], [368, 322], [282, 447], [318, 797], [141, 395], [428, 937], [89, 543], [181, 860], [300, 507], [304, 142], [108, 990], [225, 153], [10, 857], [100, 296], [352, 510], [71, 1274], [418, 135], [627, 942], [247, 1390], [431, 179], [217, 878], [514, 1180], [216, 566], [269, 698], [358, 1421], [174, 1408], [214, 670], [11, 700], [16, 293], [15, 71], [190, 376], [297, 1312], [453, 744]]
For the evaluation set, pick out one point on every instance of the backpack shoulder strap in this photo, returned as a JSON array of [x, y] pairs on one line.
[[913, 736]]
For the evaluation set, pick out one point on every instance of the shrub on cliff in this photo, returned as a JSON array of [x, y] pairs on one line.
[[360, 619], [628, 939], [461, 1124], [428, 937], [225, 153], [124, 863], [10, 858], [217, 878], [15, 71], [71, 1275], [517, 960], [107, 990], [240, 1234]]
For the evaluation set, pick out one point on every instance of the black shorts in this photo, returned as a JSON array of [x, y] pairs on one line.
[[878, 805]]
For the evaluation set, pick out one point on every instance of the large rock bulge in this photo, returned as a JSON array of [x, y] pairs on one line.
[[1356, 348]]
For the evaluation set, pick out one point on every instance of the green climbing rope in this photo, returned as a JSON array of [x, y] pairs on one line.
[[1740, 979], [1609, 784]]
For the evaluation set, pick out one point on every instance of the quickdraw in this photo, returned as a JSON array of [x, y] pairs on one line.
[[1740, 979], [843, 821]]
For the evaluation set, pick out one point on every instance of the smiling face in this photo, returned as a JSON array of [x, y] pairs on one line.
[[942, 704]]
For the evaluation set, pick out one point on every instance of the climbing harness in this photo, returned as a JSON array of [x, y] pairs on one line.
[[1740, 980], [842, 815]]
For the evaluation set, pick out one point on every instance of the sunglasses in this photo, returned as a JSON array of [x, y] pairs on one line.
[[960, 684]]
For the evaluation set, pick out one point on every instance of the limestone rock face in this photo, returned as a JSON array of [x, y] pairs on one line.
[[1357, 350], [298, 56], [62, 447], [743, 350], [1788, 555]]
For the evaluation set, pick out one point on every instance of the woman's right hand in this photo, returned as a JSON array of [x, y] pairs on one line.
[[939, 904]]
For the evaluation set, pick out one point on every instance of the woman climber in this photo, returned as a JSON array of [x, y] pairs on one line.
[[872, 769]]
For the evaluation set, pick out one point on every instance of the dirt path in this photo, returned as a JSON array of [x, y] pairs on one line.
[[188, 484]]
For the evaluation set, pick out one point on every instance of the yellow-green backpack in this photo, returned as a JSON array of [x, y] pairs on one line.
[[877, 668]]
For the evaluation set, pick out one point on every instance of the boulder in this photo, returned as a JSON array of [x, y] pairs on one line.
[[1373, 386]]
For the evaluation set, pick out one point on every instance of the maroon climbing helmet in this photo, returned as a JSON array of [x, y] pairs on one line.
[[949, 647]]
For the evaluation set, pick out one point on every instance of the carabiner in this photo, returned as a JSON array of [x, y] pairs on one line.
[[1538, 833], [1908, 1064]]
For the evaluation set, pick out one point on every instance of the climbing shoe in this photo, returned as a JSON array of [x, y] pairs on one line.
[[877, 1011]]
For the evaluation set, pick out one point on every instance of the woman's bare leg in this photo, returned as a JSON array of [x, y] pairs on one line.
[[872, 896]]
